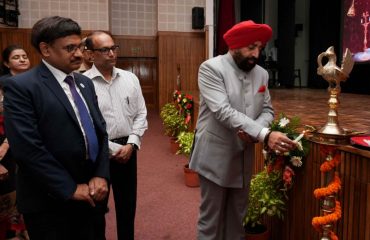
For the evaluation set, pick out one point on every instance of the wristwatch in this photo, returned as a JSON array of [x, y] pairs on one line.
[[134, 146]]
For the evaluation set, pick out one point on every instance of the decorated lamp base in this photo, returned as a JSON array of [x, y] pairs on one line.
[[330, 206]]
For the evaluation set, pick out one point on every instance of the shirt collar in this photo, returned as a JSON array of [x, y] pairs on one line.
[[58, 74], [95, 73]]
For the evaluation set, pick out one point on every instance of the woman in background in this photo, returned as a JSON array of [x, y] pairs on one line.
[[15, 61]]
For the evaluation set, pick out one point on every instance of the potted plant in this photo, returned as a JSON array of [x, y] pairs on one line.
[[268, 189], [173, 123], [185, 140], [264, 198]]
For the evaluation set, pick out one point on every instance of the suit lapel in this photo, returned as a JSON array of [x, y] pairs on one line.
[[51, 82]]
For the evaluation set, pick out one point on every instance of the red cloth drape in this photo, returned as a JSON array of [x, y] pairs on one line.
[[226, 19]]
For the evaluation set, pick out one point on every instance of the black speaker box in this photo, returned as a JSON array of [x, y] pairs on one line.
[[198, 18]]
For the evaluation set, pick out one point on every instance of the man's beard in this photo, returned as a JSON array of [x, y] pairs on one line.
[[245, 63]]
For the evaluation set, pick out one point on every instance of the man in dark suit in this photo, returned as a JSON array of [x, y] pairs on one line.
[[58, 138]]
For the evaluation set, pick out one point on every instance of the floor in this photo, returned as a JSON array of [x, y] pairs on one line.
[[168, 210], [311, 105]]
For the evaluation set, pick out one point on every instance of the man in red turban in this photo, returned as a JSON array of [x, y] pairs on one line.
[[235, 112], [246, 33]]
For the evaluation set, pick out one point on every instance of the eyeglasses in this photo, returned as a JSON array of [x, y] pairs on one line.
[[73, 48], [106, 50]]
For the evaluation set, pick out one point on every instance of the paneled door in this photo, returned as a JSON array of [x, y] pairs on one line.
[[145, 69]]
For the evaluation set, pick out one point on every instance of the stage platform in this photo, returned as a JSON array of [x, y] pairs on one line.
[[311, 105]]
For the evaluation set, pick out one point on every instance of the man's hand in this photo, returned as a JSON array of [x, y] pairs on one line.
[[98, 188], [280, 143], [82, 193], [123, 154]]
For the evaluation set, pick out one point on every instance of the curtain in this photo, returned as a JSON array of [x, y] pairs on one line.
[[225, 19]]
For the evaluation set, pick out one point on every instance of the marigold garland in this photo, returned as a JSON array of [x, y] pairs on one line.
[[331, 189], [317, 222], [329, 165]]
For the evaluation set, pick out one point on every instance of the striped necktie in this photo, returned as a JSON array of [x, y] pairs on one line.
[[86, 122]]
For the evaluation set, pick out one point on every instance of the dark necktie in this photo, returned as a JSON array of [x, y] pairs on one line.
[[86, 122]]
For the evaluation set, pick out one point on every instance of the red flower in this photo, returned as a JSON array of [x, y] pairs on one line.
[[262, 89], [287, 176], [189, 106], [188, 118], [269, 168], [188, 96], [279, 162]]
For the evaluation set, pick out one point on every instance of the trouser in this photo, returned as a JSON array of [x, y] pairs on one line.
[[221, 211], [67, 224], [124, 185]]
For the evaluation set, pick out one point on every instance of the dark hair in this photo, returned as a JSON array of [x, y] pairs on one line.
[[51, 28], [89, 39], [5, 56]]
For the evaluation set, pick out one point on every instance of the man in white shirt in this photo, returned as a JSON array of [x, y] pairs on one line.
[[123, 107]]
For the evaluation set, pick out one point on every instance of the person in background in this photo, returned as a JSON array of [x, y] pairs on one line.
[[58, 139], [7, 181], [123, 107], [86, 58], [273, 52], [15, 60], [235, 112]]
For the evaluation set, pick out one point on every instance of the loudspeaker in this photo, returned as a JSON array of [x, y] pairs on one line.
[[198, 18]]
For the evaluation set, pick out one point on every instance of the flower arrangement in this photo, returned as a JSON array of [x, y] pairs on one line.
[[177, 95], [287, 162], [185, 104], [268, 189]]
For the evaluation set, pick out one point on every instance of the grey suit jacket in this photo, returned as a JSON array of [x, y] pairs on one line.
[[230, 99]]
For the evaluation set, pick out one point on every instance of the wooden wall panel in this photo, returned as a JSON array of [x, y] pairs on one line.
[[138, 54], [186, 50], [137, 46], [146, 70]]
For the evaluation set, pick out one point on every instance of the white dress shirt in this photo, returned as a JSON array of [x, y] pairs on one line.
[[122, 104]]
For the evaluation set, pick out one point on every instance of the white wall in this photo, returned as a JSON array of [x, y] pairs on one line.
[[90, 14], [127, 17], [175, 15], [134, 17], [210, 24]]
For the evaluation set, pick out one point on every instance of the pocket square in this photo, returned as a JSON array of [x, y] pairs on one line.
[[262, 89]]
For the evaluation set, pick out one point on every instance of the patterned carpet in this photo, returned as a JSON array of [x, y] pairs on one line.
[[166, 208]]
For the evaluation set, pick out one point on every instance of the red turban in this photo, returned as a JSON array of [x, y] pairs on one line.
[[245, 33]]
